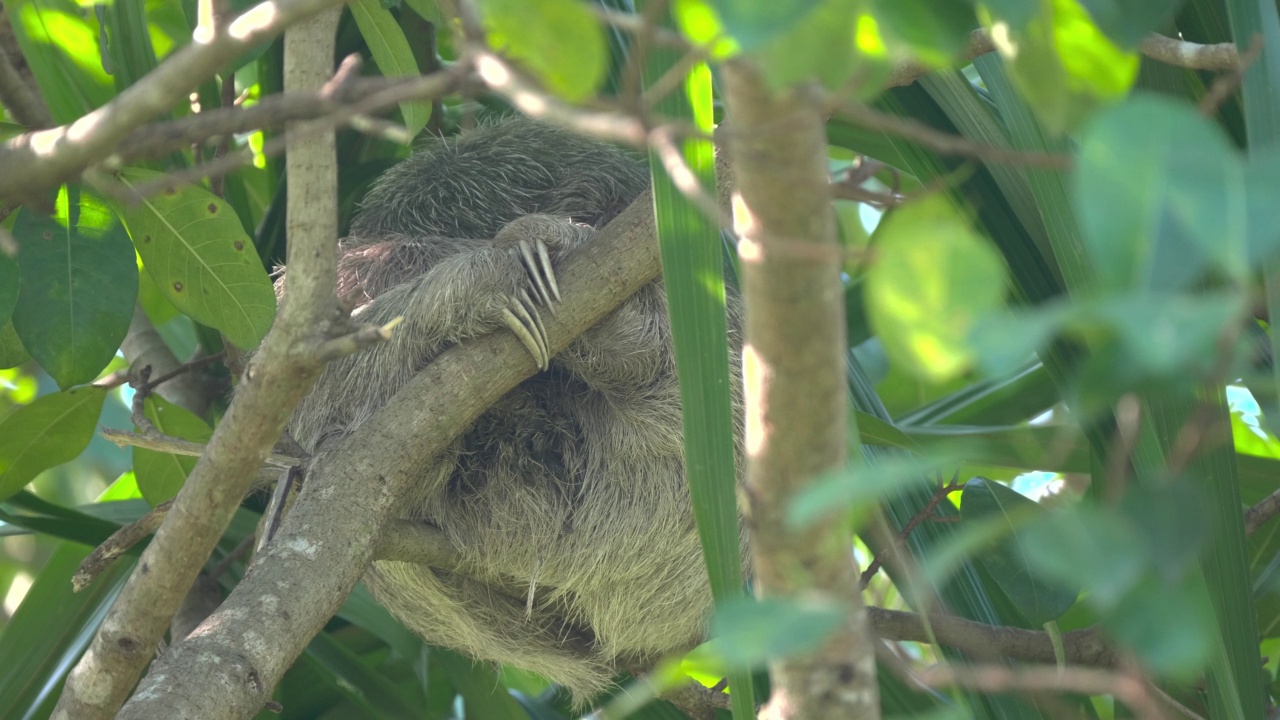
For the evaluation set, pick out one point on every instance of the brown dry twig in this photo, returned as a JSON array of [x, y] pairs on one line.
[[925, 513]]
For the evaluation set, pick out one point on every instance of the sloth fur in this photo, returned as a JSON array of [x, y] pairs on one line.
[[566, 500]]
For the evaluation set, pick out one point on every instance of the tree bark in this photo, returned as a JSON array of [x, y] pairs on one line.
[[795, 388]]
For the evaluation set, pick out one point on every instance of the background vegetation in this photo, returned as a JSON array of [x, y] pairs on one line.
[[1058, 244]]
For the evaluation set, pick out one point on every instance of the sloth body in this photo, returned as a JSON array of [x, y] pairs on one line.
[[566, 502]]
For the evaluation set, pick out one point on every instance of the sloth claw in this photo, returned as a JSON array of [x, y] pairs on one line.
[[537, 262], [521, 316]]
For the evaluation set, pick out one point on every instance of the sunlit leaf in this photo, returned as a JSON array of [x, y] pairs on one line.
[[1063, 64], [1128, 21], [48, 432], [59, 40], [77, 287], [194, 247], [932, 278], [560, 41]]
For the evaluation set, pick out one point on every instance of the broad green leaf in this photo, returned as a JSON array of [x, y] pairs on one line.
[[1063, 64], [128, 41], [12, 354], [8, 286], [935, 30], [50, 630], [77, 286], [560, 41], [50, 431], [1098, 549], [59, 40], [933, 277], [829, 44], [755, 22], [1160, 194], [1015, 13], [748, 633], [1128, 21], [1037, 600], [1172, 521], [860, 488], [361, 684], [161, 475], [392, 54], [193, 246], [1143, 621]]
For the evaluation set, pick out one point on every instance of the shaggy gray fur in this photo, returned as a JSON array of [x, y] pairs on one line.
[[568, 497]]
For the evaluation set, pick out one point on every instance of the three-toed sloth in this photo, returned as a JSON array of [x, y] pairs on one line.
[[568, 497]]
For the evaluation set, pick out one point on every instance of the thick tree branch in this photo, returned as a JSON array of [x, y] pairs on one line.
[[49, 157], [274, 383], [793, 369]]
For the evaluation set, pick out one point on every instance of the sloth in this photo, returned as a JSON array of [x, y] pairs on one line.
[[566, 502]]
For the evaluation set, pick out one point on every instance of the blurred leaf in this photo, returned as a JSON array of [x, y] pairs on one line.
[[1154, 214], [48, 432], [1037, 600], [392, 54], [828, 44], [161, 475], [49, 631], [1128, 21], [560, 41], [936, 30], [128, 41], [366, 688], [1016, 13], [78, 283], [193, 246], [932, 278], [855, 488], [1097, 549], [482, 691], [12, 353], [1143, 620], [59, 40], [1063, 64], [8, 286], [1172, 521], [755, 22], [748, 632]]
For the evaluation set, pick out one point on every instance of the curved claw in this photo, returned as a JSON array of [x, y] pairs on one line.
[[521, 316], [537, 262]]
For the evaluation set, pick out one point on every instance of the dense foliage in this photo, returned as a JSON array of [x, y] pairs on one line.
[[1060, 246]]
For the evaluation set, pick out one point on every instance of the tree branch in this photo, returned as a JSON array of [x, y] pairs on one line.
[[50, 157], [276, 380], [793, 370]]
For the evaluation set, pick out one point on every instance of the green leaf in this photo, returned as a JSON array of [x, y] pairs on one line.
[[50, 431], [12, 354], [78, 283], [828, 44], [59, 40], [932, 278], [1144, 619], [1098, 549], [1128, 21], [392, 54], [128, 42], [362, 685], [161, 475], [936, 30], [559, 41], [8, 286], [193, 246], [1153, 215], [857, 488], [1063, 64], [51, 628], [1037, 600], [755, 22], [481, 689], [748, 633]]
